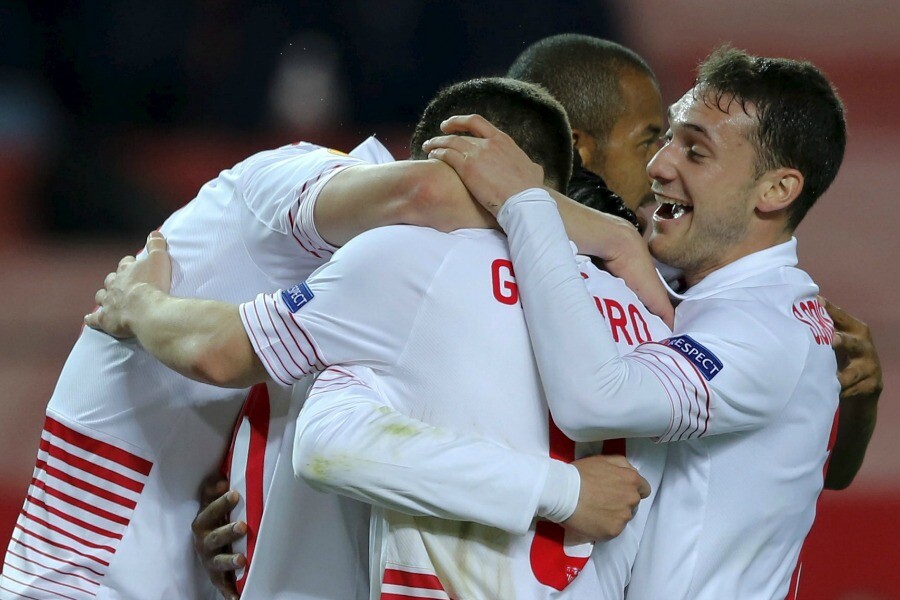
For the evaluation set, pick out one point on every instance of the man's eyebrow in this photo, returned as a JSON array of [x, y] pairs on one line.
[[692, 126]]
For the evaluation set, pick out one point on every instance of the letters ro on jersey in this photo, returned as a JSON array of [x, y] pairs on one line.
[[706, 362]]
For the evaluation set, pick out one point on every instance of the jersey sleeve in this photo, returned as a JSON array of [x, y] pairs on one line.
[[593, 394], [281, 188], [351, 441], [359, 308], [696, 383], [727, 370]]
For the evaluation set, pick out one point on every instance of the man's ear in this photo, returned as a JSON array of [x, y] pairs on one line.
[[780, 187], [586, 146]]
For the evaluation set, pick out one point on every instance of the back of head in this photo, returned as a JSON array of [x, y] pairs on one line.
[[525, 112], [799, 114], [583, 73]]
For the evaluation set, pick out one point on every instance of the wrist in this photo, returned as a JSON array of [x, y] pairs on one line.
[[559, 498], [137, 299]]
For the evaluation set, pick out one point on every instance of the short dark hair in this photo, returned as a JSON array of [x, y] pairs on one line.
[[525, 112], [800, 118], [583, 73]]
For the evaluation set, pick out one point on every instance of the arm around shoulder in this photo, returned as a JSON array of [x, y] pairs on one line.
[[414, 192]]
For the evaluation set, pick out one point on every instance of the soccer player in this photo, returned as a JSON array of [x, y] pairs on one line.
[[423, 311], [612, 98], [745, 390], [125, 439]]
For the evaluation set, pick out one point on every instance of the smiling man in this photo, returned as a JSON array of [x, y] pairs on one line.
[[745, 390]]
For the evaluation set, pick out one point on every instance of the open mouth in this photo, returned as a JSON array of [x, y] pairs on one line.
[[667, 211]]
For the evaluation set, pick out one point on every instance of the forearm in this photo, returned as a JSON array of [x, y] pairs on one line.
[[856, 424], [200, 339], [578, 360], [357, 446], [420, 192]]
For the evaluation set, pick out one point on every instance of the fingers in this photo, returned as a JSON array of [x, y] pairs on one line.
[[212, 488], [643, 487], [473, 124], [224, 535], [92, 320], [126, 260], [156, 242], [225, 563], [108, 280], [840, 317], [217, 512]]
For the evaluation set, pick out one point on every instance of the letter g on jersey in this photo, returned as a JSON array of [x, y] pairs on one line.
[[297, 296], [705, 361]]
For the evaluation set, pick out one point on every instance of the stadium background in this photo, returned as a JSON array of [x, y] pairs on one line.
[[112, 114]]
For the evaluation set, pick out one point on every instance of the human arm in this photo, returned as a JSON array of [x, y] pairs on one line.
[[201, 339], [421, 192], [660, 390], [861, 385], [502, 169], [349, 440]]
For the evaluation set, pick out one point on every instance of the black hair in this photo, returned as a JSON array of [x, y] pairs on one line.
[[800, 118], [589, 189], [525, 112], [583, 73]]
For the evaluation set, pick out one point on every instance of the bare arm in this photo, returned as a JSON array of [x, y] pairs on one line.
[[613, 240], [861, 385], [204, 340], [413, 192]]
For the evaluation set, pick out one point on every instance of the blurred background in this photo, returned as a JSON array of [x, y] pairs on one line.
[[113, 114]]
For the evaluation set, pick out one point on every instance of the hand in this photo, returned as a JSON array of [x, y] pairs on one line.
[[858, 363], [861, 384], [121, 288], [610, 492], [490, 164], [214, 534]]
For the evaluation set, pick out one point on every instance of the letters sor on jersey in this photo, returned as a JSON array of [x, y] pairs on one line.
[[705, 361], [297, 296]]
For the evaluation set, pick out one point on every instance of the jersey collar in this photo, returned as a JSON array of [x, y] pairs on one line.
[[781, 255]]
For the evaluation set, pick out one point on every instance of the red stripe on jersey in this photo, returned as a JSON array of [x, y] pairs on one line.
[[259, 319], [103, 514], [107, 451], [53, 581], [40, 589], [17, 593], [56, 558], [614, 447], [60, 530], [262, 355], [294, 339], [89, 467], [396, 596], [257, 412], [297, 237], [58, 545], [302, 329], [794, 587], [87, 487], [660, 374], [411, 579]]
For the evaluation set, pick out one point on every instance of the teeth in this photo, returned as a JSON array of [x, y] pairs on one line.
[[678, 210]]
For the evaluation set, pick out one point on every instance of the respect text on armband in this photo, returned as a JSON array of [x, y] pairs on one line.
[[296, 297], [701, 357]]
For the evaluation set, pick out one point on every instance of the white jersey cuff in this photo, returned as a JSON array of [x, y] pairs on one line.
[[559, 498]]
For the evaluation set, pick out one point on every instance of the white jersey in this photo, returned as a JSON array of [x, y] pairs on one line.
[[757, 372], [437, 320], [127, 441], [745, 391]]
